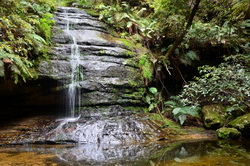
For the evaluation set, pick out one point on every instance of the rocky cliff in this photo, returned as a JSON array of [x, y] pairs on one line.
[[107, 76]]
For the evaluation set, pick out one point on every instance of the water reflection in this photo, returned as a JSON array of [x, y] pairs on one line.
[[154, 154]]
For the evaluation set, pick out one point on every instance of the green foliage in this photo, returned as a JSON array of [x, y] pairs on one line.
[[189, 57], [19, 66], [169, 15], [146, 66], [124, 18], [153, 98], [212, 34], [155, 102], [45, 26], [240, 9], [228, 84], [24, 35], [180, 111]]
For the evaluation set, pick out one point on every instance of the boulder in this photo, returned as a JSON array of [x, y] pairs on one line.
[[228, 133], [213, 116], [242, 123]]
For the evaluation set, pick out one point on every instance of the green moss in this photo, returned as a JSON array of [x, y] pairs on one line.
[[228, 133], [165, 123], [214, 116], [129, 44], [135, 78], [146, 66], [134, 109], [102, 52], [129, 53], [241, 123], [134, 95], [133, 83]]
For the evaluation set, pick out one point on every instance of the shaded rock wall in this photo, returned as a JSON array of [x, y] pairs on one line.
[[107, 76]]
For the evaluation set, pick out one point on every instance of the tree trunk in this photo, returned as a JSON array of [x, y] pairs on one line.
[[179, 39]]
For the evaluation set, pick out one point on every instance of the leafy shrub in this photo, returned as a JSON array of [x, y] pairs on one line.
[[227, 84], [124, 18]]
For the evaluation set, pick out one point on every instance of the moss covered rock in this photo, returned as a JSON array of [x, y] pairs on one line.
[[242, 123], [213, 116], [228, 133]]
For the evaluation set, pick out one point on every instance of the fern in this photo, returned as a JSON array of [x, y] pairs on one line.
[[240, 8], [25, 32], [121, 16], [37, 40], [19, 66], [45, 24]]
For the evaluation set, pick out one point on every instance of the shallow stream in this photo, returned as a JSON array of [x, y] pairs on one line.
[[181, 153]]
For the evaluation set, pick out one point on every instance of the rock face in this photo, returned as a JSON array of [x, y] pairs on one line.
[[108, 85], [106, 77]]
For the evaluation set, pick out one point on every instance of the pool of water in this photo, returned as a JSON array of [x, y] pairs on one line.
[[181, 153]]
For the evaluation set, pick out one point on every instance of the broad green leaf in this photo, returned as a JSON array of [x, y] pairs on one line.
[[182, 119], [153, 90], [176, 111]]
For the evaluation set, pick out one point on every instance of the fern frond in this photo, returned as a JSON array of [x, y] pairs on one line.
[[37, 40], [240, 8], [19, 66], [121, 16]]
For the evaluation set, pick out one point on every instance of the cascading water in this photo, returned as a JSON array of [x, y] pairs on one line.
[[74, 98], [73, 93]]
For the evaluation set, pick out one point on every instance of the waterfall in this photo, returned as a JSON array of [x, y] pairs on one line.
[[73, 94]]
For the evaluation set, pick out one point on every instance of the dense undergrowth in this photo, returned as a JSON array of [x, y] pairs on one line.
[[25, 29]]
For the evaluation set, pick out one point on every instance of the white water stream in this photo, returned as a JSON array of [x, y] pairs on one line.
[[73, 94]]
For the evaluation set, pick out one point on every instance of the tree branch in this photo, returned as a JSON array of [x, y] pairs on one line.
[[179, 39]]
